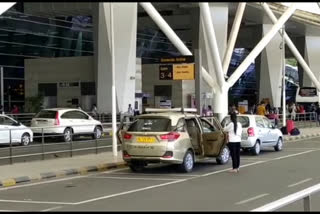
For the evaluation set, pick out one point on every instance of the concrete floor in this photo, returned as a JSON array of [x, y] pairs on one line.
[[210, 187]]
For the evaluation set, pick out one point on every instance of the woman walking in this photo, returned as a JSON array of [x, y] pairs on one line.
[[234, 130]]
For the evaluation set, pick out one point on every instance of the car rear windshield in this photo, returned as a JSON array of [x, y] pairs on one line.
[[151, 125], [46, 114], [241, 119]]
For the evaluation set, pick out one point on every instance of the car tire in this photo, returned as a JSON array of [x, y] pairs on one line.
[[224, 156], [97, 132], [67, 135], [256, 148], [279, 145], [25, 139], [137, 166], [188, 162]]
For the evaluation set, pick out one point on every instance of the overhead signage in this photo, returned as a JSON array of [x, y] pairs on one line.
[[177, 68], [183, 72], [175, 60], [308, 92]]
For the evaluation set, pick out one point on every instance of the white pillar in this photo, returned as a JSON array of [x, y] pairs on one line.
[[312, 57], [219, 18], [270, 69], [125, 28], [261, 45]]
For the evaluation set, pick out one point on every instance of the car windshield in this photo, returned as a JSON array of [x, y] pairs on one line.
[[151, 125], [241, 119], [46, 114]]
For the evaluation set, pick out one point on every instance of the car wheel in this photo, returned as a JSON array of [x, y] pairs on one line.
[[256, 149], [137, 166], [97, 132], [224, 156], [188, 162], [67, 135], [279, 145], [25, 139]]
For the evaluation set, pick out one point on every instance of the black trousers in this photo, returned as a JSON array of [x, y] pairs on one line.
[[235, 154]]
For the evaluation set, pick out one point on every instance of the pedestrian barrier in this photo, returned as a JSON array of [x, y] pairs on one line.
[[42, 149], [303, 194]]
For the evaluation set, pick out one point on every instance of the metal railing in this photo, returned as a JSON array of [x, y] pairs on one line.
[[26, 118], [303, 194], [42, 148], [302, 120]]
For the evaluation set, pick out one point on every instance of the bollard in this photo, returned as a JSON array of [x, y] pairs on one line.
[[96, 144], [71, 146], [307, 203], [10, 138], [42, 143]]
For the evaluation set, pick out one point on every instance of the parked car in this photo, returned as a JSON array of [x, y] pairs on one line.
[[171, 136], [66, 122], [258, 133], [20, 134]]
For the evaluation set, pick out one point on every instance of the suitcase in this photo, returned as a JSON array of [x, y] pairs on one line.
[[290, 125]]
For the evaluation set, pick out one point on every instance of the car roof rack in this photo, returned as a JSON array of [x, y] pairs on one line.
[[182, 110]]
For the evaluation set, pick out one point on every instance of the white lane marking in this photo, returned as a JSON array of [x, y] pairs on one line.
[[178, 181], [251, 199], [127, 178], [153, 174], [224, 170], [35, 202], [279, 158], [50, 209], [256, 158], [128, 192], [52, 181], [10, 211], [300, 182]]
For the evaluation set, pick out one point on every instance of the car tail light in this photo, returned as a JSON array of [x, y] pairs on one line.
[[125, 154], [170, 136], [250, 132], [57, 121], [127, 136]]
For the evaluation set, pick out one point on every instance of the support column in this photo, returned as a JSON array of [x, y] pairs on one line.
[[270, 69], [219, 16], [125, 28], [312, 55]]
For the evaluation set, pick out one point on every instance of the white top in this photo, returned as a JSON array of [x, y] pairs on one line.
[[230, 129]]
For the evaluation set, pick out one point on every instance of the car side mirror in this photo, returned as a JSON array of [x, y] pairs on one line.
[[16, 124]]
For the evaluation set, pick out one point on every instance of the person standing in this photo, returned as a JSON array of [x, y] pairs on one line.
[[318, 113], [94, 111], [234, 129], [261, 110]]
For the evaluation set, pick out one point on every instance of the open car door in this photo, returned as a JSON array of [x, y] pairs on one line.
[[213, 137], [125, 122]]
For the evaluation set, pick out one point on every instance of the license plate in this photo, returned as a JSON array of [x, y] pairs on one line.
[[146, 139]]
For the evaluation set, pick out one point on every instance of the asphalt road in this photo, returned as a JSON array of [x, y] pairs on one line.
[[53, 148], [210, 187]]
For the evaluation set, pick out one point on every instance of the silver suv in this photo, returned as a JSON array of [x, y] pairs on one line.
[[257, 133]]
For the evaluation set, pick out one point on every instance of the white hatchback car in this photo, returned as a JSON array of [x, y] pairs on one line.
[[66, 122], [257, 133], [20, 134]]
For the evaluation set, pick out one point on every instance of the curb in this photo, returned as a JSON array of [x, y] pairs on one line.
[[63, 173], [304, 136]]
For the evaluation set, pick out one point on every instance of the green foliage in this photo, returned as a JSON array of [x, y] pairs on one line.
[[33, 104]]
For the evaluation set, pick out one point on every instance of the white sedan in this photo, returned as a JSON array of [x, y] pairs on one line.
[[257, 133], [20, 134], [66, 122]]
